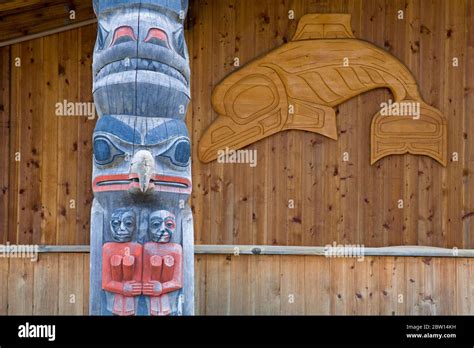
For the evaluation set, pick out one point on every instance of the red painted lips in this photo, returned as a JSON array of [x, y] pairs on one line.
[[129, 182]]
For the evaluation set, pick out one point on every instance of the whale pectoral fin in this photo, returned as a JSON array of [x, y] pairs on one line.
[[314, 118], [423, 134]]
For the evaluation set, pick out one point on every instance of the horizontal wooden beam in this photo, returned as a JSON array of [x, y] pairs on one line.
[[63, 248], [48, 32], [23, 19], [413, 251]]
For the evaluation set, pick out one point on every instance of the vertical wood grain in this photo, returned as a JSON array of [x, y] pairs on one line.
[[20, 286], [349, 202], [49, 139], [68, 63], [71, 284], [46, 285], [84, 141], [5, 129]]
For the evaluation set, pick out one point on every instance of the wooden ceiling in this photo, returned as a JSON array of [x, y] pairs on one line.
[[26, 17]]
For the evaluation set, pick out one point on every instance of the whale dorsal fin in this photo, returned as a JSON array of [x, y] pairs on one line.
[[324, 26]]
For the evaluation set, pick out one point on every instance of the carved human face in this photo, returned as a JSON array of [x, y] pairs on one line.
[[162, 225], [123, 225]]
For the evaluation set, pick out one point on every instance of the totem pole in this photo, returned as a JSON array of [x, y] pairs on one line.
[[142, 251]]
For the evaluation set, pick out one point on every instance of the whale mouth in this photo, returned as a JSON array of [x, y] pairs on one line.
[[130, 182], [140, 64]]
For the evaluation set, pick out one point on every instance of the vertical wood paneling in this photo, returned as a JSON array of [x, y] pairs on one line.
[[317, 286], [84, 141], [410, 170], [347, 202], [370, 191], [267, 291], [292, 285], [201, 88], [392, 286], [414, 285], [13, 174], [85, 298], [71, 284], [28, 166], [464, 287], [431, 227], [20, 286], [241, 278], [396, 42], [468, 93], [4, 264], [200, 283], [49, 140], [455, 17], [295, 140], [46, 285], [247, 284], [5, 129], [217, 298], [255, 183], [67, 139], [217, 64]]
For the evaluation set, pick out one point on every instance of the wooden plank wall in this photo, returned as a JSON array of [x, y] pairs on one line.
[[346, 202], [46, 195], [55, 284], [271, 284], [26, 17]]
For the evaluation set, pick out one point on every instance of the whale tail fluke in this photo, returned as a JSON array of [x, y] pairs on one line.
[[409, 126]]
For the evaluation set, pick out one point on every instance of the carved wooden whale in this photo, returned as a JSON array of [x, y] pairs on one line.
[[297, 86]]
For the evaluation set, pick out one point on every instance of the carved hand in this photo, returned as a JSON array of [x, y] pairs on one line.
[[132, 288], [153, 288]]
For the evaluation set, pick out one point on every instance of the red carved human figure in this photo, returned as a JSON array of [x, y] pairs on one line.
[[122, 264], [163, 262]]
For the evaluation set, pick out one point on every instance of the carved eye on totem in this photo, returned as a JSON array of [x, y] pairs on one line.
[[179, 153], [104, 151], [123, 34], [157, 37], [170, 224]]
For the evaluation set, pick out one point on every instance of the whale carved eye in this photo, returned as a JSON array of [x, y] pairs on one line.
[[104, 151], [240, 101]]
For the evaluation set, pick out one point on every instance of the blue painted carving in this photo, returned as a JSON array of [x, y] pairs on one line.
[[142, 167], [141, 63], [104, 151]]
